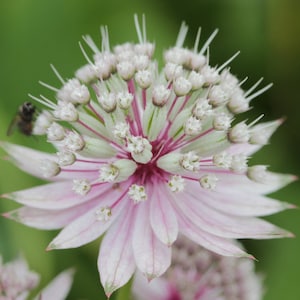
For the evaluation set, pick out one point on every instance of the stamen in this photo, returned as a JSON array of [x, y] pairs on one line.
[[209, 40]]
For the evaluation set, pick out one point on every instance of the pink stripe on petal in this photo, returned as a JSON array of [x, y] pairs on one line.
[[87, 227], [162, 216], [228, 181], [55, 196], [116, 263], [216, 223], [26, 158], [41, 218], [219, 245], [151, 255], [243, 148]]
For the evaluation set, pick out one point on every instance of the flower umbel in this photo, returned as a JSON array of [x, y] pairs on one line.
[[147, 154], [199, 274], [17, 281]]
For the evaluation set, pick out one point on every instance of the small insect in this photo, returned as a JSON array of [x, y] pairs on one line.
[[23, 119]]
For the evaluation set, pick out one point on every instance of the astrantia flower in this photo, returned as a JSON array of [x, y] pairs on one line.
[[199, 274], [17, 281], [143, 154]]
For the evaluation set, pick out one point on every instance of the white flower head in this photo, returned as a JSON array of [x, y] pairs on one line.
[[150, 153]]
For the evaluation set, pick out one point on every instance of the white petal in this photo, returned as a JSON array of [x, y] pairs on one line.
[[59, 287], [116, 262], [151, 255], [219, 245], [158, 288], [162, 216], [222, 225], [87, 227], [26, 159], [54, 196]]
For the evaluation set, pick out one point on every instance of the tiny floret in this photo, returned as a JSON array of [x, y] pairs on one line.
[[55, 132], [124, 99], [160, 95], [222, 121], [176, 183], [190, 161], [182, 86], [73, 142], [192, 126], [108, 173], [239, 133], [65, 111], [222, 160], [103, 214], [209, 181], [81, 186], [121, 130], [137, 193]]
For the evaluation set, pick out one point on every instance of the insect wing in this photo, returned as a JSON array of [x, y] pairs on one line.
[[13, 125]]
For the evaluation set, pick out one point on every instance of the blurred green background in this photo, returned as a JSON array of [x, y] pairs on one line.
[[35, 33]]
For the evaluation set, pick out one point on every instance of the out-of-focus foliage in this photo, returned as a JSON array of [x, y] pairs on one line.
[[34, 34]]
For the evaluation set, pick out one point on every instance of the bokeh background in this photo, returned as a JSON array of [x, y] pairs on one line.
[[35, 33]]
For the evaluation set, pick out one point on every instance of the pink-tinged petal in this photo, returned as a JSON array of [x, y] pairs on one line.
[[43, 219], [158, 288], [29, 161], [209, 144], [219, 245], [243, 148], [222, 225], [227, 180], [162, 216], [55, 196], [244, 204], [58, 288], [151, 255], [26, 158], [237, 203], [88, 227], [116, 263]]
